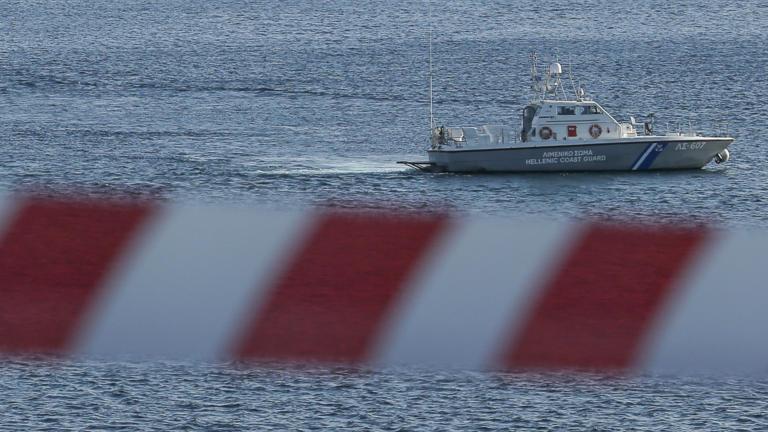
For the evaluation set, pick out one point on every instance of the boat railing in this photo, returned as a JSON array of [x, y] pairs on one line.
[[678, 128], [456, 137], [480, 136], [689, 129], [722, 128]]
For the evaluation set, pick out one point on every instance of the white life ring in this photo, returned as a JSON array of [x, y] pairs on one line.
[[595, 130], [545, 133]]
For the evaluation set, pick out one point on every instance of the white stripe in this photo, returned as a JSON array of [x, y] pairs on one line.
[[644, 156], [719, 321], [8, 208], [189, 285], [466, 306]]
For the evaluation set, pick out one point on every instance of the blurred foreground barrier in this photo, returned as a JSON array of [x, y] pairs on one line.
[[138, 280]]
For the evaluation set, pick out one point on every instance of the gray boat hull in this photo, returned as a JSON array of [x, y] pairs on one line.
[[649, 153]]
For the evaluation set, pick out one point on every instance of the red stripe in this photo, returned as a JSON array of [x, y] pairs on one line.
[[52, 258], [594, 313], [330, 302]]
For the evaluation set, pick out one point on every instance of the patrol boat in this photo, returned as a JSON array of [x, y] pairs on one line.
[[559, 133]]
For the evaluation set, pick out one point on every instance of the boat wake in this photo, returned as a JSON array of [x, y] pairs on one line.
[[327, 166]]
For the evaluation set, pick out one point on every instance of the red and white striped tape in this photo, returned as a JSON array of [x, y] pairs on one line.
[[115, 279]]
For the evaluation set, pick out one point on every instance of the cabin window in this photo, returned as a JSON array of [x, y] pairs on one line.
[[566, 110], [590, 109]]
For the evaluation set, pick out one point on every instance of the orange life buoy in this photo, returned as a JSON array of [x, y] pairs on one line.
[[545, 133], [595, 130]]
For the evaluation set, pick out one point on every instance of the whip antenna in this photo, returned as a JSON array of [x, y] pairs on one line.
[[431, 114]]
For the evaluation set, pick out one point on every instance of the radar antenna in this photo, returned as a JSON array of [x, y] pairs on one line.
[[554, 81]]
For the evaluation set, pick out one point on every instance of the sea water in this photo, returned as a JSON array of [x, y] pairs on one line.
[[291, 104]]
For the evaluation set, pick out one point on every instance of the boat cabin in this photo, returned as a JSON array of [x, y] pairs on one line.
[[551, 118], [559, 120]]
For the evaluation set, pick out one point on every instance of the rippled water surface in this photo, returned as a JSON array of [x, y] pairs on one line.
[[286, 104], [165, 396], [295, 103]]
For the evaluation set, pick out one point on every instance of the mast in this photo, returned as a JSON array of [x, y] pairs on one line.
[[536, 84], [431, 114]]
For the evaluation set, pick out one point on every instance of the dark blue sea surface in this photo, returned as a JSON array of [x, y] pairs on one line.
[[177, 396], [296, 103]]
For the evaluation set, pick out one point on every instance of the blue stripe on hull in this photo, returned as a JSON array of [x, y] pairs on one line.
[[642, 156], [646, 164]]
